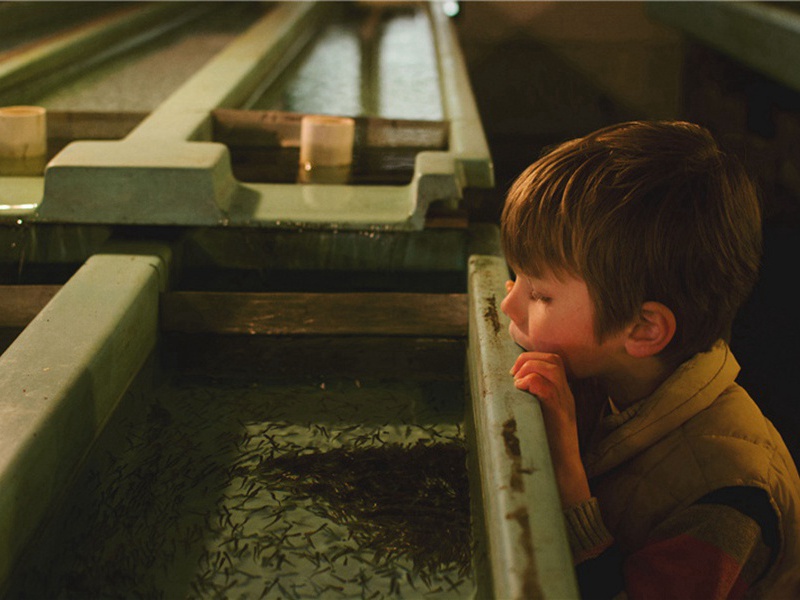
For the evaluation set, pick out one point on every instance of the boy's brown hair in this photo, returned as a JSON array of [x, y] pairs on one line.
[[642, 211]]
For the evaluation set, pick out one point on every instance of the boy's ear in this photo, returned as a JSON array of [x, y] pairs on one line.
[[652, 330]]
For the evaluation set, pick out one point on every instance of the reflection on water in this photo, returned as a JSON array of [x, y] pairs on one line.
[[365, 64], [327, 80], [409, 80], [267, 490]]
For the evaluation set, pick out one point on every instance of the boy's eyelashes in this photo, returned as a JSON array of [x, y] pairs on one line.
[[539, 297]]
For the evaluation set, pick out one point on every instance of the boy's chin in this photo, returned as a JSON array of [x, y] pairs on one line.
[[526, 346], [520, 341]]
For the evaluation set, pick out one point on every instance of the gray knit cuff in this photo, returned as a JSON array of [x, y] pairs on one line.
[[587, 533]]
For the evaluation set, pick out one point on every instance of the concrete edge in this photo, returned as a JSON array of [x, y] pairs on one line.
[[62, 379]]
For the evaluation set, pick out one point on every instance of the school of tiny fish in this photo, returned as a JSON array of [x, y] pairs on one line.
[[232, 490]]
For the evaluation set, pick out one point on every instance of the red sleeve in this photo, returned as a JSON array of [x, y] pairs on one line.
[[708, 551], [684, 567], [715, 549]]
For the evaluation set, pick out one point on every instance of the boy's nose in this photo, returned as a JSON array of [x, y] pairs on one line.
[[508, 305], [504, 305]]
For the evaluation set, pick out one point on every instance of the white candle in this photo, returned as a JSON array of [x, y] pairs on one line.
[[23, 132], [326, 141]]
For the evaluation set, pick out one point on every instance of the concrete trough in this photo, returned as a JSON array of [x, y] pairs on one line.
[[175, 148], [114, 407], [191, 347]]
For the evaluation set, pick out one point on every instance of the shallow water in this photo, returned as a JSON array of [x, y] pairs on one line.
[[232, 488], [391, 74]]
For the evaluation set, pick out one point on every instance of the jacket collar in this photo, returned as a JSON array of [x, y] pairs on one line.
[[692, 388]]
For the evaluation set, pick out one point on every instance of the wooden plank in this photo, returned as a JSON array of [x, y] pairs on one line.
[[95, 125], [284, 357], [446, 218], [283, 313], [19, 304], [276, 164], [265, 145], [378, 313], [269, 128], [64, 127]]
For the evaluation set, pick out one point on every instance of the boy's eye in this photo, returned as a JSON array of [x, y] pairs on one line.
[[537, 297]]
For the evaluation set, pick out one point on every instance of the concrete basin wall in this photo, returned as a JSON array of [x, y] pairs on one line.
[[62, 378], [64, 375], [527, 550]]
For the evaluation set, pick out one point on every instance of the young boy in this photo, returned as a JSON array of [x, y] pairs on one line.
[[633, 248]]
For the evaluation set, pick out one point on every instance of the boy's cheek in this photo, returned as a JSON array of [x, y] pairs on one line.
[[519, 337]]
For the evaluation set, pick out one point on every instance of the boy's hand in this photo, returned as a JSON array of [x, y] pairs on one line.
[[543, 375]]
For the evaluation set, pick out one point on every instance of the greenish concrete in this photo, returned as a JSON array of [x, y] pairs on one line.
[[63, 376], [156, 181], [19, 197], [467, 140], [529, 555]]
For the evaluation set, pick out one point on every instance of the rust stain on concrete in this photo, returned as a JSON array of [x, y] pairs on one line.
[[490, 313], [530, 579]]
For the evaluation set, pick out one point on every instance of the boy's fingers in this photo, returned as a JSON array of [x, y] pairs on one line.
[[542, 367], [536, 385], [531, 382], [554, 359]]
